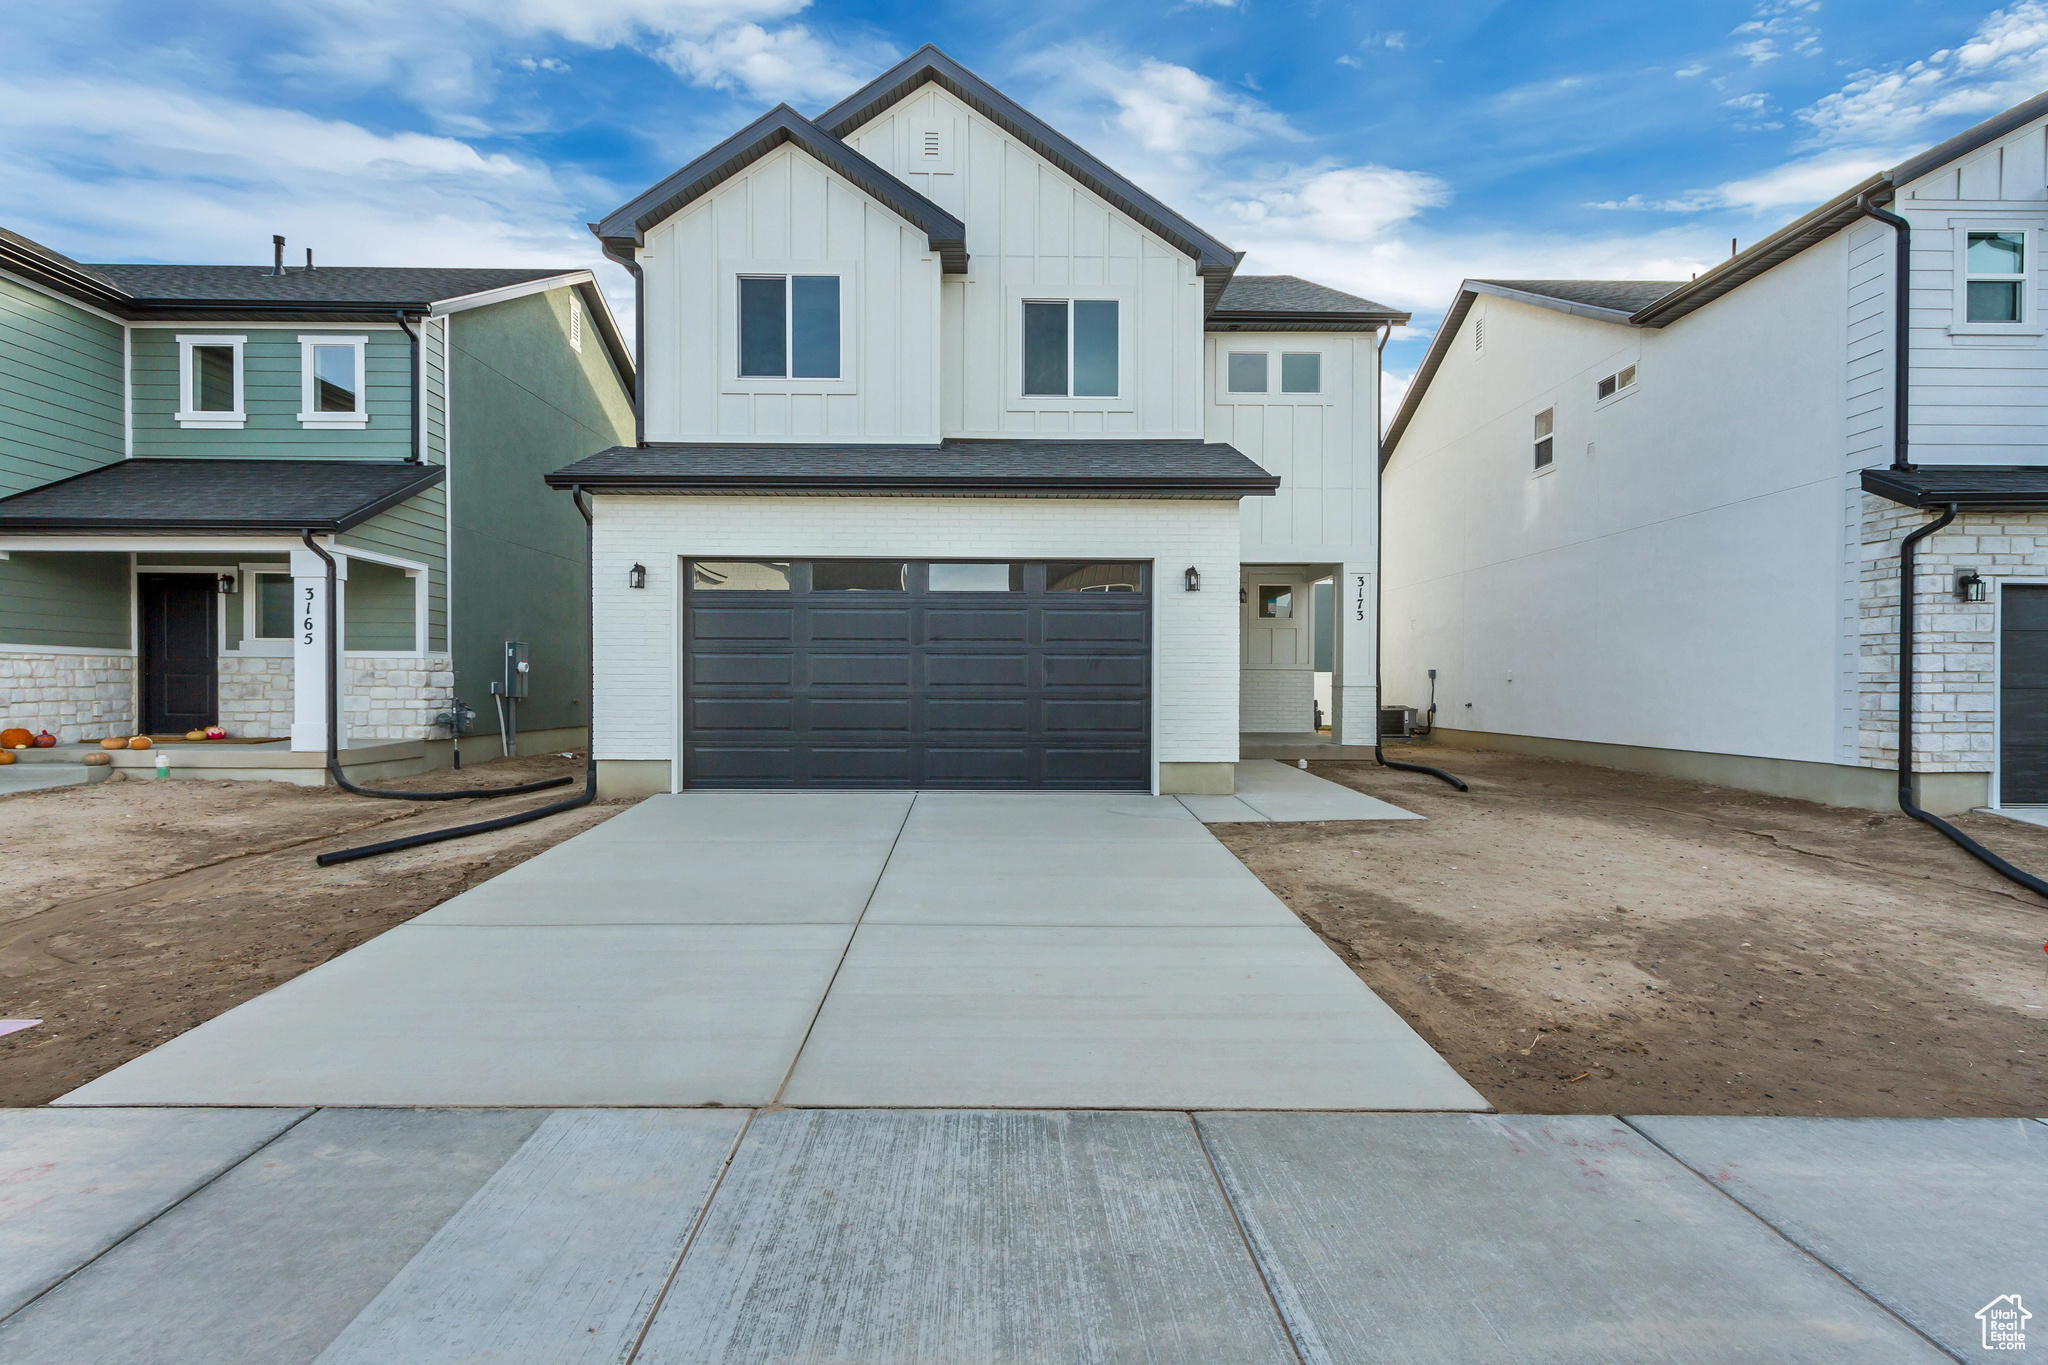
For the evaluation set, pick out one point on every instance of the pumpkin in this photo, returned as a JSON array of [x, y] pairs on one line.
[[139, 742], [5, 758], [215, 732], [195, 734], [16, 738], [118, 742], [46, 740]]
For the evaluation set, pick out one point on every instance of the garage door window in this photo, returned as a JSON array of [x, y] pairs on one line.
[[976, 578], [1086, 577], [740, 575], [859, 575]]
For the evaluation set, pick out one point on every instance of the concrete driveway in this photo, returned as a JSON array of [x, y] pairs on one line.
[[832, 949]]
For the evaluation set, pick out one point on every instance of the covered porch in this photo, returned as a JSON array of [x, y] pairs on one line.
[[1306, 643]]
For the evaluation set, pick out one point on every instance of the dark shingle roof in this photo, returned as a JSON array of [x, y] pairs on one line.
[[211, 496], [1618, 296], [388, 286], [1984, 487], [1289, 301], [987, 468]]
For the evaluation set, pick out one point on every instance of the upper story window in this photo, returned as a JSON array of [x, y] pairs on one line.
[[1251, 372], [1621, 381], [333, 381], [1301, 372], [1070, 348], [789, 327], [1247, 371], [1544, 428], [210, 382], [1996, 266]]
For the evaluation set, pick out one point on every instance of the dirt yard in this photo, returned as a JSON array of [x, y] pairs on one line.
[[134, 910], [1578, 940]]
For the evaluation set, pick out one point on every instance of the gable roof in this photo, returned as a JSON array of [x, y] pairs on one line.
[[196, 496], [1289, 303], [1213, 260], [384, 287], [626, 226]]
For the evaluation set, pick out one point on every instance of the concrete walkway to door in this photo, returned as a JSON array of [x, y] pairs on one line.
[[832, 949]]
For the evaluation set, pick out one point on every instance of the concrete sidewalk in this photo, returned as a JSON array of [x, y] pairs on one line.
[[837, 949], [717, 1236]]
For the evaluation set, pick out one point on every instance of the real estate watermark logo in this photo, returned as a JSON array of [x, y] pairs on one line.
[[2005, 1323]]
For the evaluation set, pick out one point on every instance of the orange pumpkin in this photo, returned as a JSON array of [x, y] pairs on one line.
[[16, 738], [139, 742], [5, 758], [117, 742]]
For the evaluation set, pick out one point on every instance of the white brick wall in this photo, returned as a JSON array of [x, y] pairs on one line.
[[1277, 699], [73, 696], [1195, 646], [1955, 673]]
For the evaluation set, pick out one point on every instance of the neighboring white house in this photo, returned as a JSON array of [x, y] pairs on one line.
[[945, 427], [1656, 525]]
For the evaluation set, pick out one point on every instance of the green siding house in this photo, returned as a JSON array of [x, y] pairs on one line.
[[184, 448]]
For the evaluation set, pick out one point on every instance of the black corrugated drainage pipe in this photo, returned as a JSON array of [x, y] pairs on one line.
[[334, 718], [589, 793], [414, 457], [1906, 801], [1379, 597]]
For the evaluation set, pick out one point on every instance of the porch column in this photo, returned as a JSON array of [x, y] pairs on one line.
[[1353, 705], [309, 648]]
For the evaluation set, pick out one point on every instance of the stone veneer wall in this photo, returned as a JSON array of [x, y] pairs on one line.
[[1955, 668], [73, 696], [256, 695], [396, 697]]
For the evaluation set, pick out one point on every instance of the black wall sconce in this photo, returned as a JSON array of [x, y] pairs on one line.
[[1970, 586], [1192, 579], [227, 584], [637, 577]]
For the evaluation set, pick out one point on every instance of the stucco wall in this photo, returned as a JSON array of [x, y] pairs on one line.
[[1195, 687]]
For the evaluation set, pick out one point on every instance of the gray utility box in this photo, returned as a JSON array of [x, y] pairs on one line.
[[517, 671]]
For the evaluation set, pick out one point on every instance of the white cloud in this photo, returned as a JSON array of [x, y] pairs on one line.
[[1795, 185], [1691, 69], [2004, 62], [789, 64]]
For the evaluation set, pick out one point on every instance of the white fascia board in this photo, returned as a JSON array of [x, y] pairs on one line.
[[487, 297], [155, 544], [1583, 310], [61, 297]]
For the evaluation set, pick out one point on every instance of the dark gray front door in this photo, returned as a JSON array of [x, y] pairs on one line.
[[180, 689], [2023, 697], [882, 673]]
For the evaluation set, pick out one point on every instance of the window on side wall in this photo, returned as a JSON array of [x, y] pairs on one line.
[[1070, 348], [1544, 437], [1247, 371], [1620, 382], [1301, 372], [1995, 266], [333, 381], [210, 382], [789, 326]]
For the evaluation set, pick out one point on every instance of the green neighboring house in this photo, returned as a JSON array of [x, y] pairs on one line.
[[171, 435]]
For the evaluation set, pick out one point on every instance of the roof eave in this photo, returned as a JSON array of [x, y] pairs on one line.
[[1593, 311], [1221, 321], [1883, 483], [671, 483]]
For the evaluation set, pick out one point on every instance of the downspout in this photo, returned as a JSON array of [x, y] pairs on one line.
[[334, 716], [1379, 599], [1901, 414], [417, 417], [589, 793]]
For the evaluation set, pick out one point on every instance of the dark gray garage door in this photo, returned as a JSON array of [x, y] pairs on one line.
[[2023, 697], [884, 673]]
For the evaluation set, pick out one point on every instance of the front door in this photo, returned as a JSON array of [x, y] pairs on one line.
[[179, 683]]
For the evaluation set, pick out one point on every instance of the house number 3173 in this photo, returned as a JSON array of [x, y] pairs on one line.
[[1358, 607]]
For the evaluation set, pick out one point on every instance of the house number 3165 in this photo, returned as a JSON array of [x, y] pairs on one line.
[[307, 624]]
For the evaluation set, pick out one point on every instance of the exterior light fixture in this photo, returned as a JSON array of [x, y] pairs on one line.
[[1193, 579], [1970, 586], [637, 578], [227, 584]]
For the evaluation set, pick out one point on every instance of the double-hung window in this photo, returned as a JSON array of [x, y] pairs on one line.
[[210, 382], [1995, 266], [333, 381], [1070, 348], [789, 327], [1545, 424]]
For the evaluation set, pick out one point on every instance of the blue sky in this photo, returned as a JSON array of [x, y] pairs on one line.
[[1388, 149]]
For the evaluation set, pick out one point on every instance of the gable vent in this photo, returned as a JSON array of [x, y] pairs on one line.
[[1479, 333], [931, 143], [575, 323]]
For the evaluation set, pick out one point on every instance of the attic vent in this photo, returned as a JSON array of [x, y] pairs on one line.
[[1479, 333], [575, 323], [931, 144]]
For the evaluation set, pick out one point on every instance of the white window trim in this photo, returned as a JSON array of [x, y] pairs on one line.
[[208, 421], [1273, 394], [308, 415], [729, 326], [1122, 401], [2030, 323], [251, 646], [1611, 399]]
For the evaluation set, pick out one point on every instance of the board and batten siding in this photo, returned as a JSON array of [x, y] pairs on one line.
[[60, 414], [1323, 446], [1035, 233], [1975, 399], [271, 396], [788, 214]]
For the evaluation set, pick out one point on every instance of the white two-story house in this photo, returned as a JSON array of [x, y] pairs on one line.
[[1659, 524], [964, 462]]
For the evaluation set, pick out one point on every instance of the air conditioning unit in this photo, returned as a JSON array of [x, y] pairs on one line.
[[1397, 722]]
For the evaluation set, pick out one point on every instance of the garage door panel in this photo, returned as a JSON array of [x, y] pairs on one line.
[[810, 687], [2023, 696], [860, 670], [855, 624], [762, 670], [984, 671]]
